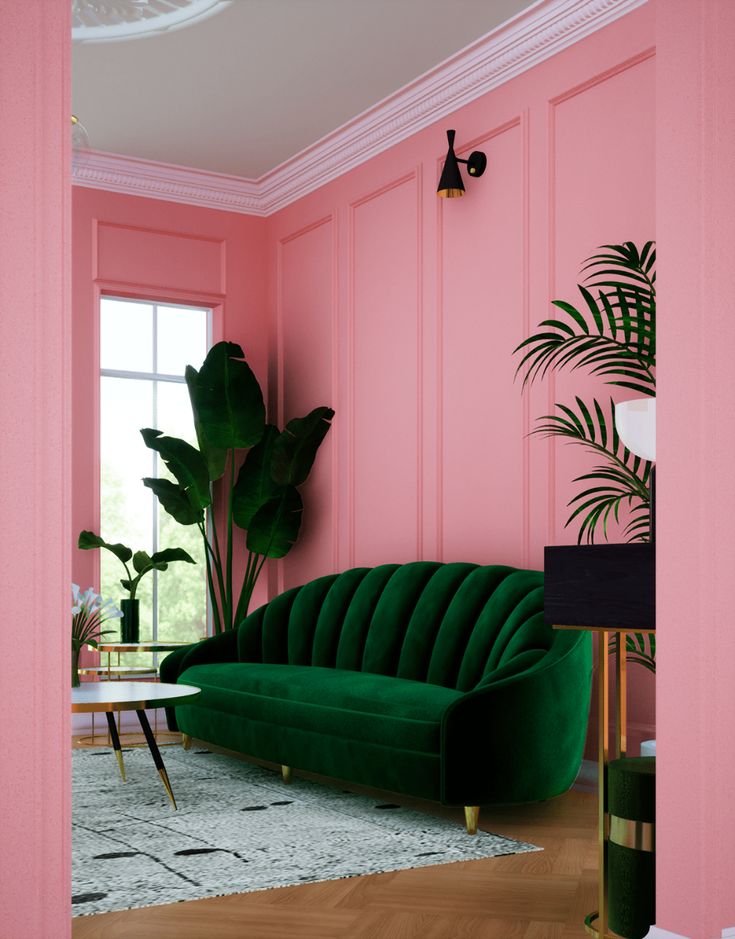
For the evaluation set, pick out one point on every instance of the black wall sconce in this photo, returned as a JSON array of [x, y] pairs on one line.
[[450, 184]]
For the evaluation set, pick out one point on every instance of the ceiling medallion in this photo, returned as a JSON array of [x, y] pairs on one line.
[[113, 20]]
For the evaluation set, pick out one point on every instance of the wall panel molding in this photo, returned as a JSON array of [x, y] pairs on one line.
[[536, 34], [463, 148], [121, 254], [415, 176], [282, 243]]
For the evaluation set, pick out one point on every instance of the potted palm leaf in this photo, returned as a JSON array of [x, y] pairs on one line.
[[611, 333]]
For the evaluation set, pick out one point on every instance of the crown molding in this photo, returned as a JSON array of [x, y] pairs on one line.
[[536, 34], [113, 172]]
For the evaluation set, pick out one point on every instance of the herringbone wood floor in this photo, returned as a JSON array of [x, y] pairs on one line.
[[528, 896]]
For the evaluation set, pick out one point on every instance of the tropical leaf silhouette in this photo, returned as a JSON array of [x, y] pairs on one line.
[[613, 334]]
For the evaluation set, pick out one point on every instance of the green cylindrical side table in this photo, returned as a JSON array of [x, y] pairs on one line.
[[631, 857]]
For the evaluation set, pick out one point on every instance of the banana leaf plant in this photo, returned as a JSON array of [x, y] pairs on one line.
[[143, 563], [260, 498], [611, 334]]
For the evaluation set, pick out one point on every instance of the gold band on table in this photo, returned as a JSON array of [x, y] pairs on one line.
[[629, 833], [593, 930], [596, 923]]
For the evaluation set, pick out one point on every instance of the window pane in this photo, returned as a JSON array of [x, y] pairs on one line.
[[126, 506], [173, 603], [174, 411], [126, 335], [182, 588], [182, 339]]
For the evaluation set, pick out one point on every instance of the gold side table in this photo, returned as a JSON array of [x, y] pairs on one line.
[[117, 672], [596, 923]]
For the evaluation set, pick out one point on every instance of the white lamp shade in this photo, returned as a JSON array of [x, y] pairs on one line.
[[636, 424]]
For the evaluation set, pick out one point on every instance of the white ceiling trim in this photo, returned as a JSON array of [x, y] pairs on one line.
[[537, 33], [94, 169]]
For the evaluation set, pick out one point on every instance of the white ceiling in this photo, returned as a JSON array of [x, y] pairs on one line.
[[253, 85]]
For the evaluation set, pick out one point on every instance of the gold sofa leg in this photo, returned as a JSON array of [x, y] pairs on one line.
[[186, 741], [286, 773], [471, 817]]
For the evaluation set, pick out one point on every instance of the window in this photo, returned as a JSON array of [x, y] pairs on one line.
[[144, 349]]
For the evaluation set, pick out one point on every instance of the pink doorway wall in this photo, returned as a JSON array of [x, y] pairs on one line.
[[35, 430], [401, 310], [695, 121]]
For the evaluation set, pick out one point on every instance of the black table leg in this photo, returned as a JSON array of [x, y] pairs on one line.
[[115, 741], [156, 754]]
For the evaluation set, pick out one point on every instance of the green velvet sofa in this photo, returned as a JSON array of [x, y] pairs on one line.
[[435, 680]]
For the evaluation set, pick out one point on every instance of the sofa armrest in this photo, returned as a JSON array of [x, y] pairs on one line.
[[220, 648], [520, 739]]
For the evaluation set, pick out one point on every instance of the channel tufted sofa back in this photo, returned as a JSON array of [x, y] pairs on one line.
[[456, 625], [437, 680]]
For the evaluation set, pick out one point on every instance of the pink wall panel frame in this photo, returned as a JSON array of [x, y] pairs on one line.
[[306, 320], [377, 235]]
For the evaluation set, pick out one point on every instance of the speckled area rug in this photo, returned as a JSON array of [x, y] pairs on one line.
[[238, 828]]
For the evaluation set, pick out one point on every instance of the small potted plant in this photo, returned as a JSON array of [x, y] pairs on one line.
[[142, 564], [88, 612]]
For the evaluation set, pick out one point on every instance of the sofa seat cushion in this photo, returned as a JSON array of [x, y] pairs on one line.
[[360, 706]]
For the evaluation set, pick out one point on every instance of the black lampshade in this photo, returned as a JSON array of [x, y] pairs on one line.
[[450, 184]]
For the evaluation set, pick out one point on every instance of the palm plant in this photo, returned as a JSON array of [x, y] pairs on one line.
[[613, 336]]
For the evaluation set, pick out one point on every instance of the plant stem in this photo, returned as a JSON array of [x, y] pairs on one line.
[[248, 584], [210, 580], [228, 571], [224, 598]]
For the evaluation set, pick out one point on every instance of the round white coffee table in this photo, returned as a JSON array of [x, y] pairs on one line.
[[111, 696]]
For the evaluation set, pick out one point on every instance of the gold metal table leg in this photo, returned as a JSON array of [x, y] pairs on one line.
[[603, 753], [621, 694]]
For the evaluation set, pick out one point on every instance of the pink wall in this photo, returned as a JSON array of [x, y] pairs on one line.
[[696, 554], [401, 310], [129, 245], [35, 371]]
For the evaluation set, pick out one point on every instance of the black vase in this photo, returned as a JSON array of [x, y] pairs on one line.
[[129, 628]]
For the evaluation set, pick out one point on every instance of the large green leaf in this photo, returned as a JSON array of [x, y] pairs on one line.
[[141, 562], [227, 399], [622, 480], [275, 526], [295, 449], [88, 540], [613, 334], [175, 501], [216, 457], [160, 560], [171, 554], [185, 462], [255, 485]]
